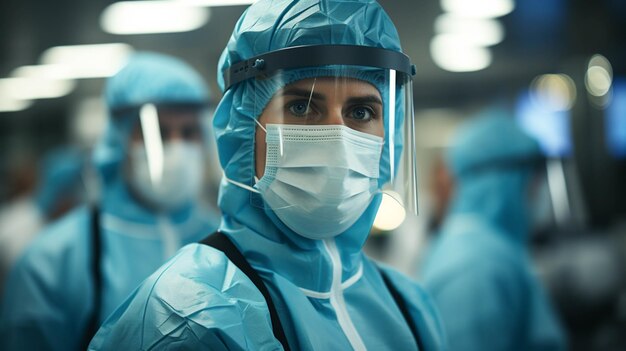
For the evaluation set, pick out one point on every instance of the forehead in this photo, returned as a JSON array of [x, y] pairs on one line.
[[334, 86]]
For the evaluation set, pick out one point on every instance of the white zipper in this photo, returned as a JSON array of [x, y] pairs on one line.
[[326, 294], [337, 300]]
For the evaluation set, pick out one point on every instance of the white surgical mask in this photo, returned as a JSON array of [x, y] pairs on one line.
[[180, 180], [319, 179]]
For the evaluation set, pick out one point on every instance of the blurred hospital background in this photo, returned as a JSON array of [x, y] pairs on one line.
[[559, 67]]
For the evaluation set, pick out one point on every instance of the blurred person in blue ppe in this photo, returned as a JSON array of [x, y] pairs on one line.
[[479, 270], [59, 189], [309, 132], [150, 162]]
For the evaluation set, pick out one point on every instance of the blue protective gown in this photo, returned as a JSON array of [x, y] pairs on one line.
[[49, 295], [328, 295], [61, 172], [478, 270], [59, 188]]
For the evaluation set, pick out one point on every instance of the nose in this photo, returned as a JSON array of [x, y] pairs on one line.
[[334, 116]]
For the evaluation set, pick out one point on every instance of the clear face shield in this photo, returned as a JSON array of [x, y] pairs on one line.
[[548, 197], [334, 128], [166, 153]]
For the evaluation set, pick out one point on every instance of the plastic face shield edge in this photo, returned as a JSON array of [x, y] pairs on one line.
[[161, 132]]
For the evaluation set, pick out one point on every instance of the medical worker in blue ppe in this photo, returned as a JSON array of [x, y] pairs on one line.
[[309, 132], [150, 162], [60, 188], [479, 270]]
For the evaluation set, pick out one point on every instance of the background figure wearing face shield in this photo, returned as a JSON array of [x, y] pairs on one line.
[[59, 189], [150, 166], [478, 270], [294, 142]]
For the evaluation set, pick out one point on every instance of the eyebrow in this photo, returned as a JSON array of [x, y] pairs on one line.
[[306, 93], [365, 99]]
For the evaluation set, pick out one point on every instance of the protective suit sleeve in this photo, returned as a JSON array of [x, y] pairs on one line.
[[423, 310], [197, 300], [477, 309]]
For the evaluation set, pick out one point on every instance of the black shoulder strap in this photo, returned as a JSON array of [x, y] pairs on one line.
[[403, 308], [96, 274], [221, 242]]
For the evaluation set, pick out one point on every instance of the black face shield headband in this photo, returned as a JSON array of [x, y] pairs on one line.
[[314, 56]]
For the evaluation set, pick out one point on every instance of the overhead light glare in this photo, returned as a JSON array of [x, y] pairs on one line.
[[146, 17], [478, 31], [600, 60], [478, 8], [598, 81], [87, 61], [453, 53], [51, 71], [555, 92], [34, 88], [12, 105], [391, 213], [599, 76]]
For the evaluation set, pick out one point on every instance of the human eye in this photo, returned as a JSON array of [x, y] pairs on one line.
[[191, 133], [165, 132], [300, 108], [362, 113]]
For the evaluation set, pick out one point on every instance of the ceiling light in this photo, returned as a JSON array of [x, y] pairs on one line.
[[34, 88], [478, 31], [88, 61], [144, 17], [599, 76], [599, 60], [478, 8], [453, 53], [53, 71], [12, 105], [556, 92], [598, 81]]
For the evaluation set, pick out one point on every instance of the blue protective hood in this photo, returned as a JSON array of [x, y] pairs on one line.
[[491, 161], [264, 27], [60, 177], [146, 78]]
